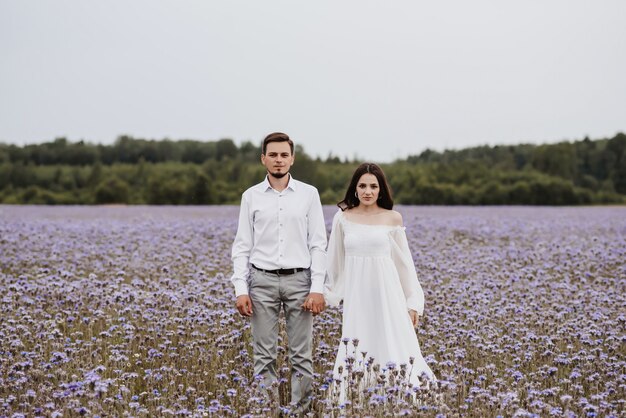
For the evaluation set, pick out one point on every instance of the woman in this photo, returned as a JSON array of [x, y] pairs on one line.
[[371, 269]]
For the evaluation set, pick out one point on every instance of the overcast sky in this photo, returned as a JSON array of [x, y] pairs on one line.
[[374, 79]]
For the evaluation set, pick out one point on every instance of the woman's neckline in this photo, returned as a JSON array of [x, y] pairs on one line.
[[345, 218]]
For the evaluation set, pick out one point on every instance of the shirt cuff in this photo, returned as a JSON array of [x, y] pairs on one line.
[[241, 287], [317, 286]]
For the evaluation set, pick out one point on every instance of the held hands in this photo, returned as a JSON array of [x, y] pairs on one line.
[[244, 305], [415, 319], [314, 303]]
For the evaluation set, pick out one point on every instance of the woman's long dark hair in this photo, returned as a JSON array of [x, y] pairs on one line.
[[384, 196]]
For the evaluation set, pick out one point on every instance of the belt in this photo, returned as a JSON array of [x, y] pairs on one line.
[[281, 271]]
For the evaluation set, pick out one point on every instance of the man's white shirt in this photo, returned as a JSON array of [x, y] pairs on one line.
[[280, 230]]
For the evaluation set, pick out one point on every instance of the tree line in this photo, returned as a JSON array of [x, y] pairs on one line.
[[140, 171]]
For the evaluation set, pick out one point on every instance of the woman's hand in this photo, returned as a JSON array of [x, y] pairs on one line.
[[414, 317]]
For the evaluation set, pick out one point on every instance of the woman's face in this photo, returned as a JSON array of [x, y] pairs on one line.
[[367, 189]]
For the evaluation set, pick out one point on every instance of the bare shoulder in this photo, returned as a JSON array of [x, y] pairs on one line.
[[393, 217], [397, 218]]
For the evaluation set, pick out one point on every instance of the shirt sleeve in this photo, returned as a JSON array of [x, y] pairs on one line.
[[335, 281], [241, 249], [401, 255], [316, 239]]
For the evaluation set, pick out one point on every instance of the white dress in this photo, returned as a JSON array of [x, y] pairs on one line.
[[371, 269]]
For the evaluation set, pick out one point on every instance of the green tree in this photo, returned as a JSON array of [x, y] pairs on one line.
[[201, 191], [225, 148], [95, 176], [617, 147], [112, 190]]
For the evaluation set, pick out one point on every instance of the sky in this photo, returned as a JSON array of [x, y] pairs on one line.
[[362, 79]]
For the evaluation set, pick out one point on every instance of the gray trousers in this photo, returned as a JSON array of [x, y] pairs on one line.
[[269, 292]]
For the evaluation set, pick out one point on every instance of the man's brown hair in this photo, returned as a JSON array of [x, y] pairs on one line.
[[276, 137]]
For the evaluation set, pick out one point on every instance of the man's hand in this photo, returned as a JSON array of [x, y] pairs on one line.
[[314, 303], [414, 317], [244, 305]]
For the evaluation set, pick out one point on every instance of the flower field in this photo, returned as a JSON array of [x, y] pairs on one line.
[[129, 311]]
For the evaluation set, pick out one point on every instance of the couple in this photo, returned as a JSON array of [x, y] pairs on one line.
[[280, 261]]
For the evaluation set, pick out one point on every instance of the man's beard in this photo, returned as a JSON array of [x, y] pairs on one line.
[[278, 175]]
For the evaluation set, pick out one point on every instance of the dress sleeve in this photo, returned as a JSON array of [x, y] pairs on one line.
[[401, 255], [335, 260]]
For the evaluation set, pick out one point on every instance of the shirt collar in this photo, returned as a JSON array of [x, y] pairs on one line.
[[290, 185]]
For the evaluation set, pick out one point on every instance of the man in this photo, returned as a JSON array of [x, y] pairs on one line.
[[279, 258]]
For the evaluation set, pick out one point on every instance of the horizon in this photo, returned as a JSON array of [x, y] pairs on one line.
[[350, 158]]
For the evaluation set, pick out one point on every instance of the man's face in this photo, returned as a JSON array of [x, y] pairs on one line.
[[277, 159]]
